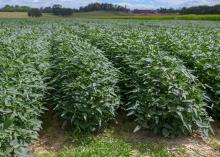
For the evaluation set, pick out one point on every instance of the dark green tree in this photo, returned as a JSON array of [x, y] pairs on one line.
[[57, 9], [34, 12], [16, 8], [103, 6]]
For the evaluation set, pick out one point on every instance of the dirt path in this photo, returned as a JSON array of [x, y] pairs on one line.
[[192, 146], [53, 139]]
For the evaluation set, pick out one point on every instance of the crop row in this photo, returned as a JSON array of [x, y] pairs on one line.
[[35, 65], [22, 89], [83, 83], [163, 95], [163, 78]]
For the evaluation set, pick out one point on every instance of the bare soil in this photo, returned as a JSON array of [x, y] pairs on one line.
[[53, 139]]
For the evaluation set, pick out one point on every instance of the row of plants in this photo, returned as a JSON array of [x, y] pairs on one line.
[[198, 49], [23, 64], [162, 94], [200, 52], [83, 83], [156, 75], [38, 67]]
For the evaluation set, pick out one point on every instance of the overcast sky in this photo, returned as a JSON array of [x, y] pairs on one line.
[[140, 4]]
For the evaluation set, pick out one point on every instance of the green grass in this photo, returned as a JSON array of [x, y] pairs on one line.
[[107, 145]]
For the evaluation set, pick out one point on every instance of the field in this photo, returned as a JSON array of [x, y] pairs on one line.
[[94, 87], [18, 15], [117, 15], [13, 15]]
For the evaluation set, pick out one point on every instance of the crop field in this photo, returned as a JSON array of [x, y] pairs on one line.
[[117, 15], [160, 77]]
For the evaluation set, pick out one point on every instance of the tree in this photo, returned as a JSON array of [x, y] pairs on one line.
[[57, 9], [103, 6], [16, 8], [66, 12], [47, 10], [193, 10], [34, 12]]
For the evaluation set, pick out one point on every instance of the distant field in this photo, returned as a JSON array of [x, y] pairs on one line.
[[13, 15], [18, 15], [166, 17], [93, 14], [100, 13], [117, 15], [121, 15]]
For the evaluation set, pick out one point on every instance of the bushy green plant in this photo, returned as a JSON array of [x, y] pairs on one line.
[[162, 94], [167, 98], [162, 74], [84, 84], [22, 89], [34, 12], [199, 49]]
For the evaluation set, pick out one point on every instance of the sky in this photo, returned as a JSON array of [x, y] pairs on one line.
[[132, 4]]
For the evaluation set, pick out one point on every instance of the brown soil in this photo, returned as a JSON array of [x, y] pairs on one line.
[[193, 146], [53, 139]]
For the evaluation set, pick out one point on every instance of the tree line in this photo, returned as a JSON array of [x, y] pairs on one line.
[[36, 12], [103, 6], [192, 10], [59, 10], [16, 8]]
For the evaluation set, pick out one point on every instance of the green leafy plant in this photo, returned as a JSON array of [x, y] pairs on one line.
[[22, 90], [199, 49], [162, 94], [167, 98], [84, 84]]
